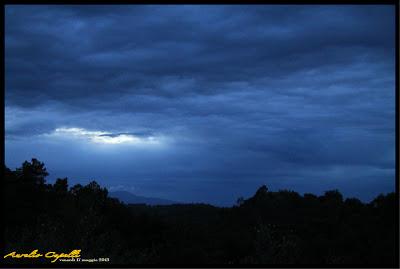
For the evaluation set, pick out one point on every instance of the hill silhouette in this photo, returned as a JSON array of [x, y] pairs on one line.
[[130, 198], [269, 228]]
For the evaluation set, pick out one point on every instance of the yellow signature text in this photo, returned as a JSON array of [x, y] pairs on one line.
[[33, 254], [76, 253]]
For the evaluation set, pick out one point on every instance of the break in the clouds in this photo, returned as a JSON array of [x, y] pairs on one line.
[[103, 137], [204, 103]]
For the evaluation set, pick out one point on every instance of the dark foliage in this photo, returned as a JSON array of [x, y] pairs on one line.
[[269, 228]]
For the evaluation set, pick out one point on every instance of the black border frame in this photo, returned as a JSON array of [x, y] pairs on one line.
[[395, 3]]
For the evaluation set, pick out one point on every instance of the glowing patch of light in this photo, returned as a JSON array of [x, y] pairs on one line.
[[116, 140], [78, 132], [101, 137]]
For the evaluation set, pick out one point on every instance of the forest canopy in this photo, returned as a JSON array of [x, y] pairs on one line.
[[280, 227]]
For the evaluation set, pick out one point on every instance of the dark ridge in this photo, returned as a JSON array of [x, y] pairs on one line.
[[269, 228]]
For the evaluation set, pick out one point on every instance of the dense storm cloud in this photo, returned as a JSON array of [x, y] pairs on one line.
[[204, 103]]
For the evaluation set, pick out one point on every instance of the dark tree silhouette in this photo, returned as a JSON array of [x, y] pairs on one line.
[[268, 228]]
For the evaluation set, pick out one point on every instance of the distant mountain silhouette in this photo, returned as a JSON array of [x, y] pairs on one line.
[[130, 198]]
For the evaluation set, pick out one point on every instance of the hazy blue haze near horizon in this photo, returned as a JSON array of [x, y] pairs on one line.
[[204, 103]]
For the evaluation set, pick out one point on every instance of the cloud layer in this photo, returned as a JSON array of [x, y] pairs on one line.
[[298, 97]]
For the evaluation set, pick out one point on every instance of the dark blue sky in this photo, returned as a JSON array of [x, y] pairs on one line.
[[204, 103]]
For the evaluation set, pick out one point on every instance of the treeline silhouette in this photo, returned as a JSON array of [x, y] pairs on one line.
[[269, 228]]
